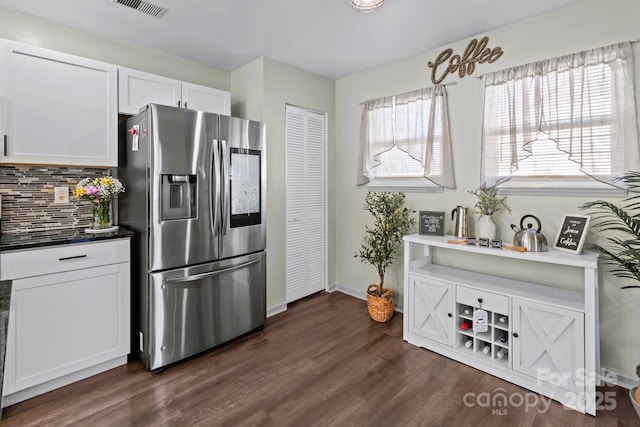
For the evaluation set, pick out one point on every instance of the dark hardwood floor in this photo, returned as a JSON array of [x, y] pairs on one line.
[[323, 362]]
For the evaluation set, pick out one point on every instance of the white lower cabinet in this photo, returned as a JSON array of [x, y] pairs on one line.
[[548, 344], [534, 334], [70, 324], [431, 314]]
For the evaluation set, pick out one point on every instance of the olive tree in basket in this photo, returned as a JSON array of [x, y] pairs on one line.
[[381, 245]]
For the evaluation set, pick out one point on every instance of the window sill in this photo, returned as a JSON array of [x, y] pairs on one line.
[[404, 185], [561, 189]]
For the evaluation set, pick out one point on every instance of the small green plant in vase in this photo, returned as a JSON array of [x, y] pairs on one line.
[[488, 204], [381, 245]]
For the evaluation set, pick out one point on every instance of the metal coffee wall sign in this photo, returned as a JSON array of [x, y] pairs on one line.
[[476, 52]]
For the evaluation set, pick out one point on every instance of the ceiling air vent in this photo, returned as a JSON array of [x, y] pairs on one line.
[[144, 7]]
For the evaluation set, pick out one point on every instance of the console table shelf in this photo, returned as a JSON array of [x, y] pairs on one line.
[[543, 338]]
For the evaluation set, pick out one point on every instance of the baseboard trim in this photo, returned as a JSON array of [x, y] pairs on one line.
[[332, 288], [28, 393], [363, 296], [613, 376], [276, 309]]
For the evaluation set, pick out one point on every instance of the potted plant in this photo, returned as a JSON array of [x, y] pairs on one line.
[[623, 248], [381, 245], [488, 203]]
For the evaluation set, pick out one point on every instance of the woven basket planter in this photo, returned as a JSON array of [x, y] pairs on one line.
[[380, 308]]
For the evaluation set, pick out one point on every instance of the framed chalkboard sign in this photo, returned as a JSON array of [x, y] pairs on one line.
[[572, 233], [431, 223]]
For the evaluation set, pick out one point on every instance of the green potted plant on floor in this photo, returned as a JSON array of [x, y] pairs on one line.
[[381, 245], [622, 250]]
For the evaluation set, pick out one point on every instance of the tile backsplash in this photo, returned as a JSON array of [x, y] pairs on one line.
[[28, 195]]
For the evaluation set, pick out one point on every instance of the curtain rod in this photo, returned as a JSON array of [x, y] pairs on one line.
[[480, 77], [446, 84]]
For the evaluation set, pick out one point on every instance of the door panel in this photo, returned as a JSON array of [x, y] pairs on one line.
[[202, 98], [550, 344], [195, 309], [137, 89], [243, 220], [433, 306], [305, 234], [181, 186]]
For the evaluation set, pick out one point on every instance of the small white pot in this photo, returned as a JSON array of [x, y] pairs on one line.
[[485, 227]]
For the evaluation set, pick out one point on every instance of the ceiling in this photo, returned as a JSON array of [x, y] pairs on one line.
[[326, 37]]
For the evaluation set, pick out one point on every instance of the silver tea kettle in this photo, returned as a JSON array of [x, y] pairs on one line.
[[532, 240], [461, 228]]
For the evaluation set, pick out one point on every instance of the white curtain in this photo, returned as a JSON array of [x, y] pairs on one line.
[[584, 102], [376, 135], [416, 122]]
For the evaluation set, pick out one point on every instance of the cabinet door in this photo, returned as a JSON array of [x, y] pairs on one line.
[[137, 89], [549, 345], [64, 322], [431, 309], [202, 98], [61, 109]]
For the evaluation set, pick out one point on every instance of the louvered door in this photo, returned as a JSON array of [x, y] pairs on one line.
[[305, 203]]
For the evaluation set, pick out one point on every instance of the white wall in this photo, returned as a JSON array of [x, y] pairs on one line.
[[284, 84], [247, 91], [586, 25], [36, 31]]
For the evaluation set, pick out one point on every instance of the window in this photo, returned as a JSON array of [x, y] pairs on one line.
[[404, 142], [567, 122]]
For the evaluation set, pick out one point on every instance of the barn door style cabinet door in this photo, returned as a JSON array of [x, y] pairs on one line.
[[544, 338], [56, 108], [432, 308], [137, 89], [548, 344]]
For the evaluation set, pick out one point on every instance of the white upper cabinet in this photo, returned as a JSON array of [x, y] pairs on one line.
[[137, 89], [204, 98], [56, 108]]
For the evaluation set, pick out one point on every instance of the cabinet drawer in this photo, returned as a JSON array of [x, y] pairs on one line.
[[57, 259], [490, 301]]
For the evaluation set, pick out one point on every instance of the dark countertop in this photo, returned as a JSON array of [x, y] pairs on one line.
[[41, 239]]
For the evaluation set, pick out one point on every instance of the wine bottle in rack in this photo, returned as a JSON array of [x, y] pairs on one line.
[[501, 353], [504, 338], [469, 343], [465, 325], [502, 320], [467, 311], [486, 349]]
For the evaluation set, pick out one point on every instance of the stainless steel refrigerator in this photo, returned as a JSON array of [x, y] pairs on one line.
[[195, 198]]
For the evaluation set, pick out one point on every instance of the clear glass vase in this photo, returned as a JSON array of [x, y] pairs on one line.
[[102, 215]]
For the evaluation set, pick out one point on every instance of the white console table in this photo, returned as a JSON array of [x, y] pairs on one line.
[[543, 338]]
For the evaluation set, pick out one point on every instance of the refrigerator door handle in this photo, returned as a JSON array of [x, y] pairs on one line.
[[211, 273], [213, 203], [226, 212]]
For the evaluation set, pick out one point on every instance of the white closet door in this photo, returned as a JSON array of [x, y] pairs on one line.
[[305, 203]]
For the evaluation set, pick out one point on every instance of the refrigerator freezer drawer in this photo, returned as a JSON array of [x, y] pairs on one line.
[[197, 308]]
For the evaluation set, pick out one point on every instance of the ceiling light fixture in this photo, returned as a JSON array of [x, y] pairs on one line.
[[366, 6]]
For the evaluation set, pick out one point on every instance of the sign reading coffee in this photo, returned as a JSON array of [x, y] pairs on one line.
[[465, 64]]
